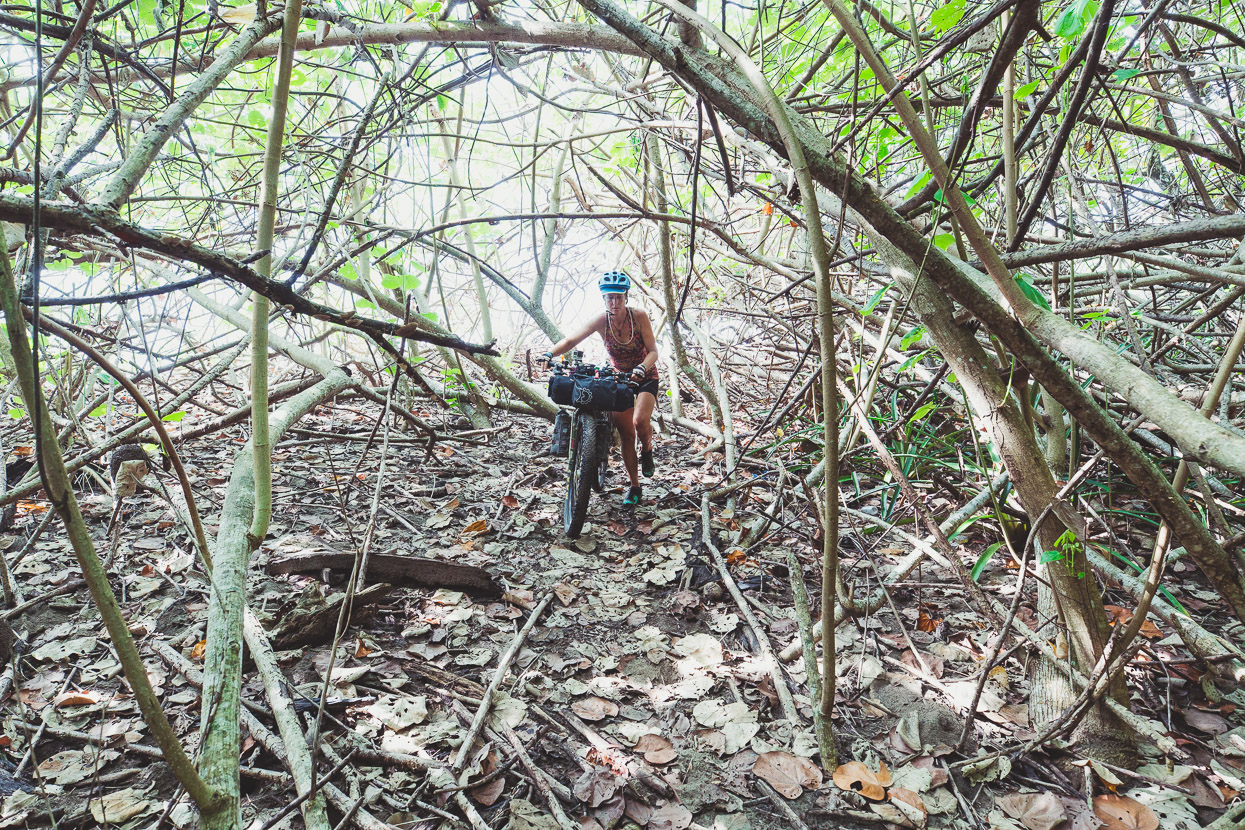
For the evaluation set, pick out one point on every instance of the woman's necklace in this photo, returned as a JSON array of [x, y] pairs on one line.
[[609, 321]]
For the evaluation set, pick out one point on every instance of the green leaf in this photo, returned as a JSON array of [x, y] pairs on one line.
[[983, 560], [17, 414], [1072, 22], [173, 417], [1124, 74], [99, 411], [257, 120], [360, 303], [938, 197], [876, 298], [443, 103], [347, 271], [944, 241], [921, 182], [1032, 293], [920, 414], [1049, 556], [1026, 90], [944, 18], [912, 337], [401, 282], [912, 361]]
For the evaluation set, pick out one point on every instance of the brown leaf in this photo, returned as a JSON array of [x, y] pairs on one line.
[[596, 786], [565, 593], [478, 526], [657, 750], [487, 794], [510, 502], [594, 708], [199, 650], [924, 622], [81, 698], [670, 816], [638, 811], [1119, 812], [905, 808], [788, 774], [1036, 811], [858, 778], [935, 664]]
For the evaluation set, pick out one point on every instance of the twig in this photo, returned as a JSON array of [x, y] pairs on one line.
[[64, 588], [539, 779], [767, 652], [781, 803], [498, 676]]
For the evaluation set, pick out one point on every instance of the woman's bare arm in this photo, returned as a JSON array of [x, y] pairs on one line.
[[650, 342], [567, 343]]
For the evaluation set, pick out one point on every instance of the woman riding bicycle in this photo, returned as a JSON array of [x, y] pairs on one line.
[[628, 336]]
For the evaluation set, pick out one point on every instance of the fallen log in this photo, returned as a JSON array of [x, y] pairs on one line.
[[396, 569]]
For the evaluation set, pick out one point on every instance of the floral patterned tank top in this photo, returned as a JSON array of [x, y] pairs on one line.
[[629, 354]]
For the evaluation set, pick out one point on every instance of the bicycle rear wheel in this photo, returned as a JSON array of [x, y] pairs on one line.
[[582, 471]]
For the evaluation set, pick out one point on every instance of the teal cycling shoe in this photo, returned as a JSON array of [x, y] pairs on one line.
[[633, 497], [646, 463]]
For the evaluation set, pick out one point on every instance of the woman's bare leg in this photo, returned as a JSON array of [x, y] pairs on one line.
[[644, 404]]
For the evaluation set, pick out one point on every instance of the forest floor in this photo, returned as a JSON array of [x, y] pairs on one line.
[[640, 695]]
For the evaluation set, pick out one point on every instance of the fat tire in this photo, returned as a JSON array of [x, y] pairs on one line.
[[605, 437], [582, 472]]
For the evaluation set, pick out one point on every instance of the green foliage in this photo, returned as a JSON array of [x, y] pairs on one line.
[[1025, 90], [400, 282], [982, 561], [173, 417], [912, 337], [1072, 22], [944, 19], [1027, 288], [876, 298], [1067, 546]]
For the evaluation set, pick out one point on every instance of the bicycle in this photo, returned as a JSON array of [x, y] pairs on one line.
[[585, 438]]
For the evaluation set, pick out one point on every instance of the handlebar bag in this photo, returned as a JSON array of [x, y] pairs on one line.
[[598, 394], [560, 387]]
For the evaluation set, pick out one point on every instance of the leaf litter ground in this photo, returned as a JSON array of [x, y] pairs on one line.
[[640, 695]]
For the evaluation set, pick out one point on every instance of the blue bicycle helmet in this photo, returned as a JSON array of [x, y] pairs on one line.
[[614, 282]]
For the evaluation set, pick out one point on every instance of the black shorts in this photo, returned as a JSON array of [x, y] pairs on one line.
[[649, 386]]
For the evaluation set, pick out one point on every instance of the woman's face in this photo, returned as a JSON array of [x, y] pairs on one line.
[[615, 302]]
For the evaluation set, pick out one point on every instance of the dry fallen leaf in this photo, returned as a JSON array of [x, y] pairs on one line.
[[81, 698], [657, 750], [1036, 811], [925, 622], [1119, 812], [565, 593], [788, 774], [905, 809], [594, 708], [858, 778], [199, 651], [510, 502], [478, 526], [670, 816], [487, 794]]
